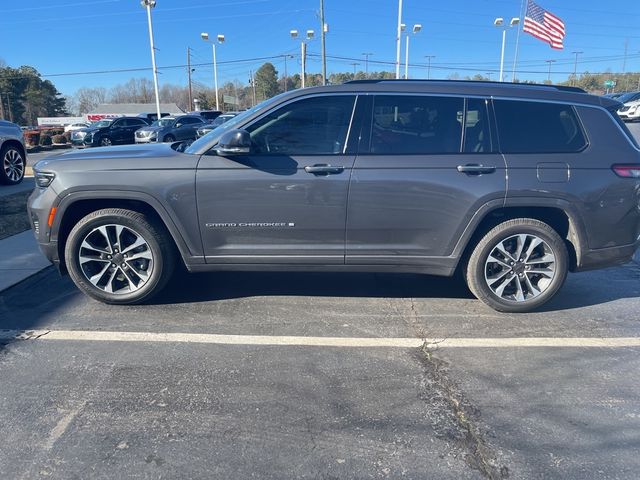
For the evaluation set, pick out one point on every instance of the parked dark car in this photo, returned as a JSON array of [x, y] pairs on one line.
[[511, 185], [13, 155], [216, 123], [170, 129], [109, 131]]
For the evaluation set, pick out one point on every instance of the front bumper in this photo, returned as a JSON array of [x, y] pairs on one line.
[[39, 207]]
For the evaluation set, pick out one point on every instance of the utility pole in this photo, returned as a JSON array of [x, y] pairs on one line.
[[355, 64], [366, 63], [9, 108], [303, 63], [323, 29], [253, 86], [549, 76], [286, 86], [189, 75], [624, 63], [429, 57], [575, 68], [398, 39]]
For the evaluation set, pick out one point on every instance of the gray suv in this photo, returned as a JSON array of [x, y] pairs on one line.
[[510, 185], [12, 153], [170, 129]]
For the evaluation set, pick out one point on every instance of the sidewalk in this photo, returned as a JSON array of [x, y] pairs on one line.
[[19, 259]]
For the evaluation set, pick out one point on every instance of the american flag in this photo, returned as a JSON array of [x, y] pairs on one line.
[[544, 25]]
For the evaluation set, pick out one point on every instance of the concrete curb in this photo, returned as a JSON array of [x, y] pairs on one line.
[[20, 258]]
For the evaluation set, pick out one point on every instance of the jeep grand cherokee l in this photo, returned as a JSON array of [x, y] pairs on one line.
[[512, 185]]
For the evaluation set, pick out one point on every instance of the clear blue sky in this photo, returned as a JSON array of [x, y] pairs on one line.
[[62, 36]]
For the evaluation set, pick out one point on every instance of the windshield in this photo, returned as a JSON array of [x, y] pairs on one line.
[[163, 122], [102, 123], [626, 97], [228, 125]]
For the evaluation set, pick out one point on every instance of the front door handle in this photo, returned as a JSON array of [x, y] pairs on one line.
[[323, 169], [475, 169]]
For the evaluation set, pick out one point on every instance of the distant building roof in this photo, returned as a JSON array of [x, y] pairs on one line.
[[135, 108]]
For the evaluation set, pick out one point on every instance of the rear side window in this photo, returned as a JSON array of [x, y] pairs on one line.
[[415, 124], [536, 127]]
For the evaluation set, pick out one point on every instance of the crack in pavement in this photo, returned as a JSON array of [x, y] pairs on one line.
[[454, 419]]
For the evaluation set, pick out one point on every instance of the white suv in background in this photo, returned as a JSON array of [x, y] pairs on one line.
[[630, 111]]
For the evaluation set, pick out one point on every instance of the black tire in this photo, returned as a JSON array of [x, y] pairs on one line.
[[12, 165], [157, 242], [105, 142], [477, 267], [169, 138]]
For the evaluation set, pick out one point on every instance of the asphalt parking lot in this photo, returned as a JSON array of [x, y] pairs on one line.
[[318, 375]]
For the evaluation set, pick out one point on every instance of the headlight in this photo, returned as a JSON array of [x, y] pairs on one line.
[[44, 179]]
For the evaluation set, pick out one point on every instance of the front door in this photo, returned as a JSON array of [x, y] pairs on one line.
[[285, 202], [427, 166]]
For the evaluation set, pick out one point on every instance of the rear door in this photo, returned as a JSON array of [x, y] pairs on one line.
[[426, 165], [285, 202]]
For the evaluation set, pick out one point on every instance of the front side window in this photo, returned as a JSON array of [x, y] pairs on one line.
[[311, 126], [415, 124], [537, 127]]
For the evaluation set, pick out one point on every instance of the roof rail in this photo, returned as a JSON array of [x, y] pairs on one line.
[[562, 88]]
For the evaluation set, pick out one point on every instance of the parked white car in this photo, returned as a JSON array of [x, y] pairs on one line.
[[630, 111], [75, 126]]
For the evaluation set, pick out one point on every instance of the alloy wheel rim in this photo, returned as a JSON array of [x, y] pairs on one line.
[[13, 165], [116, 259], [520, 268], [105, 142]]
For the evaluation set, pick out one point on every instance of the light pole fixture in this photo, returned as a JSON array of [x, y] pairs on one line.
[[499, 22], [429, 57], [416, 28], [303, 52], [148, 5], [220, 40]]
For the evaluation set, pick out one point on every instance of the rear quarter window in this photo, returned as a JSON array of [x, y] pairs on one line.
[[537, 127]]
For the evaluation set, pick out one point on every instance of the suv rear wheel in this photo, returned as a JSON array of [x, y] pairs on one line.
[[13, 165], [518, 265], [119, 256]]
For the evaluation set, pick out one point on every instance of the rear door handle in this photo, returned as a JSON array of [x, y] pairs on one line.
[[475, 169], [323, 169]]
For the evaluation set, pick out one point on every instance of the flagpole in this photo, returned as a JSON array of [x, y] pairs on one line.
[[515, 58]]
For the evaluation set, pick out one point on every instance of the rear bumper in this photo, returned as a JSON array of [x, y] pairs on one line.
[[607, 257]]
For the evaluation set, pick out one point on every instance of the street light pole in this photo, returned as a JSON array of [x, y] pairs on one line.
[[429, 57], [575, 68], [499, 22], [220, 40], [416, 28], [323, 30], [303, 53], [398, 39], [148, 5]]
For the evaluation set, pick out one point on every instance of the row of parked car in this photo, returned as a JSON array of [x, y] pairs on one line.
[[129, 130], [630, 110]]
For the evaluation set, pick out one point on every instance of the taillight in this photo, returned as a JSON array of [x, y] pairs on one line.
[[628, 171]]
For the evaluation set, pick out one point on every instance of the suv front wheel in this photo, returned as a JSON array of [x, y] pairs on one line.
[[518, 266], [119, 256]]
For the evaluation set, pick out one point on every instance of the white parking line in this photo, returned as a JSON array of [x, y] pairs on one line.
[[513, 342]]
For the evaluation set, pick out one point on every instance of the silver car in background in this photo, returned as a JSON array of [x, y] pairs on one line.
[[12, 153]]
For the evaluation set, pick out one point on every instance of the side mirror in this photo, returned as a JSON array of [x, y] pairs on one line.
[[234, 142]]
